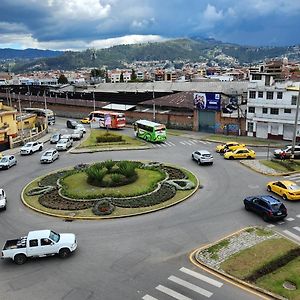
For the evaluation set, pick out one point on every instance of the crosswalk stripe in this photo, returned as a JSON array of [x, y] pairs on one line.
[[172, 144], [280, 223], [208, 142], [172, 293], [148, 297], [298, 216], [196, 141], [270, 225], [201, 277], [191, 286], [295, 176], [297, 228], [188, 143], [183, 143], [164, 145], [158, 145], [202, 142], [292, 235]]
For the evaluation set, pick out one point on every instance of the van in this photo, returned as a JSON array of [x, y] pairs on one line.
[[71, 124]]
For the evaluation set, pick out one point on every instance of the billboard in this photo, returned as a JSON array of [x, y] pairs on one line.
[[207, 101]]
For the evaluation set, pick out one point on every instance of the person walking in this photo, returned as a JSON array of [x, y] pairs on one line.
[[282, 155]]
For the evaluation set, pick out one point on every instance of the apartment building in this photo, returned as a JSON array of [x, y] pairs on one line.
[[271, 107]]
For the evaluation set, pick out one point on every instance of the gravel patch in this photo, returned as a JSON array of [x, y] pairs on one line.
[[241, 241], [257, 166]]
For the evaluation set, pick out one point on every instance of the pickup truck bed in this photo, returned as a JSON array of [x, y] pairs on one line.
[[15, 244]]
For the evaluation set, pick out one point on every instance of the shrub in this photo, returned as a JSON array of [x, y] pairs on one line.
[[109, 138], [116, 178], [126, 168], [103, 207], [95, 174], [108, 164]]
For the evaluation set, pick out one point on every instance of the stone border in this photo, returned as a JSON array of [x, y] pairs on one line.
[[233, 280], [72, 217]]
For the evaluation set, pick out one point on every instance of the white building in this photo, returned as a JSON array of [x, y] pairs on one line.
[[271, 107]]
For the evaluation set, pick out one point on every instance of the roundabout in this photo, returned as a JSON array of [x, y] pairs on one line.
[[109, 189]]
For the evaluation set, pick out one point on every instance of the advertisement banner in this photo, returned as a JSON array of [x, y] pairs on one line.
[[207, 101]]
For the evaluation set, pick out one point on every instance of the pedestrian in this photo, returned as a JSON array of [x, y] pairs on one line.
[[282, 155]]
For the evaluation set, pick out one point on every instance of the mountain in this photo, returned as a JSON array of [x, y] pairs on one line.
[[27, 53], [178, 51]]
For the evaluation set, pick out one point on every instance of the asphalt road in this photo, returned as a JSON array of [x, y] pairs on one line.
[[142, 257]]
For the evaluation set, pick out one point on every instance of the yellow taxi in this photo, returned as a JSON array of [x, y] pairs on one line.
[[240, 153], [85, 121], [287, 189], [230, 146]]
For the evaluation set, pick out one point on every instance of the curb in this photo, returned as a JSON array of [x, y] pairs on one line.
[[85, 150], [228, 278], [250, 145]]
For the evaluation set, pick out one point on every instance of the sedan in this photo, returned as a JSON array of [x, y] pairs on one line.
[[2, 199], [49, 156], [268, 207], [202, 157], [240, 154], [230, 146], [55, 138], [287, 189], [7, 161], [85, 121], [81, 127]]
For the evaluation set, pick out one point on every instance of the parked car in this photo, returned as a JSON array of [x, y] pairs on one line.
[[64, 144], [287, 189], [7, 161], [2, 200], [240, 154], [77, 134], [39, 243], [81, 127], [288, 152], [71, 124], [202, 157], [55, 138], [49, 156], [85, 121], [230, 146], [267, 206], [31, 147]]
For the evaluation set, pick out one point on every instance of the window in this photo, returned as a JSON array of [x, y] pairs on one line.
[[256, 76], [294, 100], [252, 94], [251, 109], [274, 111], [279, 95], [45, 242], [287, 110], [250, 127], [270, 95], [33, 243], [260, 94], [265, 110]]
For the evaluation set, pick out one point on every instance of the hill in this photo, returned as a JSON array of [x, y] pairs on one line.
[[177, 51]]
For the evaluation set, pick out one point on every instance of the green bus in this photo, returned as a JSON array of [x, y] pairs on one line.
[[150, 131]]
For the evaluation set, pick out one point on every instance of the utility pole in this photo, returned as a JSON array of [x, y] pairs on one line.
[[296, 123], [45, 103], [94, 102], [21, 118], [153, 97]]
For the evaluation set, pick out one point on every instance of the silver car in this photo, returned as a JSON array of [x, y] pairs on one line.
[[203, 157], [7, 161], [2, 199], [49, 156]]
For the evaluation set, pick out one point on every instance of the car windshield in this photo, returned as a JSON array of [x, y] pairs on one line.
[[293, 187], [54, 136], [54, 236], [4, 159], [275, 206], [63, 141], [48, 154], [28, 145]]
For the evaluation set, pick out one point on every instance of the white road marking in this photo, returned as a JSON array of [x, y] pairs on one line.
[[172, 143], [191, 286], [270, 225], [280, 223], [298, 216], [203, 142], [292, 235], [296, 176], [188, 143], [172, 293], [148, 297], [297, 228], [208, 142], [201, 277], [290, 219], [192, 142], [158, 145], [183, 143]]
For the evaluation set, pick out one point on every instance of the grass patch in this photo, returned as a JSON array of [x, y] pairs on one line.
[[282, 166], [274, 282], [246, 262], [91, 141], [214, 250]]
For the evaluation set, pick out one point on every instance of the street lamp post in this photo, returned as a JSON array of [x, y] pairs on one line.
[[153, 97], [296, 124], [94, 101], [45, 104], [21, 119]]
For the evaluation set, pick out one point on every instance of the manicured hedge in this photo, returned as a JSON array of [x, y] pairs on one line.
[[109, 138]]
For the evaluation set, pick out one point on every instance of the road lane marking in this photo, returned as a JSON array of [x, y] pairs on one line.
[[280, 223], [201, 277], [172, 293], [191, 286], [290, 219], [203, 142], [148, 297], [271, 225], [188, 143], [298, 216], [292, 235], [297, 228]]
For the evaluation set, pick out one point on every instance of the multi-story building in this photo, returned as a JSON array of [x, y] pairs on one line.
[[271, 107]]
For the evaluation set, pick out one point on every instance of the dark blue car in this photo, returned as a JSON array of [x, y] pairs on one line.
[[267, 206]]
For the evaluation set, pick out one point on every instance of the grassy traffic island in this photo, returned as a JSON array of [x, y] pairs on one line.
[[259, 258], [109, 189]]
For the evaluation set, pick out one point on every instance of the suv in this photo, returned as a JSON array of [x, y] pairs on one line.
[[267, 206], [7, 161], [71, 124], [202, 157], [288, 152], [2, 199], [64, 143]]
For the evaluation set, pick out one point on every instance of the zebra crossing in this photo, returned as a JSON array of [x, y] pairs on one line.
[[182, 282], [293, 177], [185, 143]]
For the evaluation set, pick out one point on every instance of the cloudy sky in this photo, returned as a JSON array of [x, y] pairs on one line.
[[81, 24]]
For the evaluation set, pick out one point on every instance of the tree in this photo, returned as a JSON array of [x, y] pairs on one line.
[[63, 79]]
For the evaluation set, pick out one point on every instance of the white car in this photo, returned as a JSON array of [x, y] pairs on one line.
[[31, 147], [63, 144], [2, 199], [203, 157], [77, 134], [49, 156], [7, 161], [81, 127]]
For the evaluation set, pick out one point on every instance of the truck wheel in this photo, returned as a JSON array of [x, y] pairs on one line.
[[20, 259], [64, 252], [41, 148]]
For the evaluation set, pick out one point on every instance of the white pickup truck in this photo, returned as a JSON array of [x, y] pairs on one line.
[[39, 243], [31, 147]]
